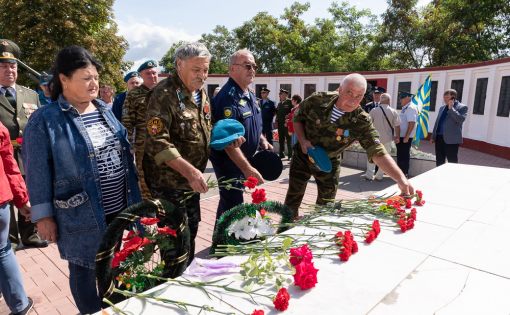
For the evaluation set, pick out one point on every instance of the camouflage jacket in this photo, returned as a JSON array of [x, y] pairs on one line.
[[282, 111], [133, 115], [176, 127], [315, 114]]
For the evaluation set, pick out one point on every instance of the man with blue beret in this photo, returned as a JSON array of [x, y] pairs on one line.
[[17, 103], [134, 113], [236, 101], [44, 89], [132, 80]]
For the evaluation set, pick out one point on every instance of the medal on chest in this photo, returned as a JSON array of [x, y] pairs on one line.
[[180, 97], [207, 110]]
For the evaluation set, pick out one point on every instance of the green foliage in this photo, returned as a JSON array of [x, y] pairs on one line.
[[168, 61], [42, 28]]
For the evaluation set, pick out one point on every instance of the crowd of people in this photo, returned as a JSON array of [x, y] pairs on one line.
[[86, 155]]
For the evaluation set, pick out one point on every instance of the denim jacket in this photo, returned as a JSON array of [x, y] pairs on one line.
[[63, 177]]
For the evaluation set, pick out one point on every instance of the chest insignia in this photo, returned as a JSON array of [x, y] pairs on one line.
[[154, 126], [227, 112]]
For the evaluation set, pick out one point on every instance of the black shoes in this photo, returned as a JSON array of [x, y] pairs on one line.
[[35, 241], [27, 309]]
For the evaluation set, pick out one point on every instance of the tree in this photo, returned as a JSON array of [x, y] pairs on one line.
[[221, 44], [168, 60], [56, 24]]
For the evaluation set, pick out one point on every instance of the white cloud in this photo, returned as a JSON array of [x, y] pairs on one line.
[[149, 41]]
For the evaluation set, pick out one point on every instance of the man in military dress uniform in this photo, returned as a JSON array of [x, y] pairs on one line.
[[17, 103], [134, 114], [376, 99], [283, 109], [268, 108], [334, 120], [236, 101], [178, 133]]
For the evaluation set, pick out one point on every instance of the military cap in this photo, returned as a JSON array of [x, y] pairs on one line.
[[147, 65], [268, 163], [45, 79], [225, 132], [265, 89], [9, 51], [378, 90], [132, 74], [318, 156], [403, 94], [284, 91]]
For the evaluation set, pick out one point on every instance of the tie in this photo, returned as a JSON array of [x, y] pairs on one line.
[[10, 97]]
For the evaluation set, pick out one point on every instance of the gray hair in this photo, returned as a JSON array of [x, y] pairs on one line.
[[357, 79], [385, 98], [238, 53], [191, 50]]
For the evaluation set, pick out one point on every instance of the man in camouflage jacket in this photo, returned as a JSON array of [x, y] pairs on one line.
[[133, 117], [178, 133], [334, 120]]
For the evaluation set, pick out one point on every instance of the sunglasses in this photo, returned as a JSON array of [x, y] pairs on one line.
[[248, 66]]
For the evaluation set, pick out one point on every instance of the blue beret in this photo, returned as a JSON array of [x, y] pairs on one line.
[[318, 156], [225, 132], [147, 65], [130, 75], [45, 79], [403, 94]]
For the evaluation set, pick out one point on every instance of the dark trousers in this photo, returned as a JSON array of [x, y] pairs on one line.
[[301, 169], [283, 136], [269, 136], [229, 198], [404, 155], [82, 281], [446, 151]]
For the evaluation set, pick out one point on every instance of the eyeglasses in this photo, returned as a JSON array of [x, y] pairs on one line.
[[247, 66]]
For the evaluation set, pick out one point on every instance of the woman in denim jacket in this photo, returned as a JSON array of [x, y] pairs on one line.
[[79, 169]]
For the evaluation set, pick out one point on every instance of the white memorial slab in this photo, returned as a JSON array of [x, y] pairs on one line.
[[455, 261]]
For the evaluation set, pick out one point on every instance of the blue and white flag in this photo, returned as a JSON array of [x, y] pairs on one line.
[[422, 102]]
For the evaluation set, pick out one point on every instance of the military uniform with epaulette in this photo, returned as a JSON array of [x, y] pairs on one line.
[[282, 110], [176, 127], [315, 115], [17, 103], [133, 118]]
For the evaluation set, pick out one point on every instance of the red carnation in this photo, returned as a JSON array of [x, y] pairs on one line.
[[167, 231], [354, 247], [251, 182], [300, 254], [413, 213], [258, 312], [130, 235], [281, 300], [135, 243], [119, 257], [19, 140], [149, 221], [419, 203], [370, 237], [376, 227], [258, 196], [263, 212], [305, 276], [420, 194], [403, 225], [409, 203]]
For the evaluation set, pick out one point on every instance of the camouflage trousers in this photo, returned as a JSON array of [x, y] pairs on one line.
[[301, 169], [283, 136], [144, 189]]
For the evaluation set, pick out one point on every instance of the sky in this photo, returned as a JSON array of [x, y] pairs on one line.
[[152, 26]]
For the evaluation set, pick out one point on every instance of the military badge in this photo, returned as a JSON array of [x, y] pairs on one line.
[[339, 132], [227, 112], [154, 126], [207, 110], [242, 103]]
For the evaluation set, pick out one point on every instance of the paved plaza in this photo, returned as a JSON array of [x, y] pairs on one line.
[[46, 275]]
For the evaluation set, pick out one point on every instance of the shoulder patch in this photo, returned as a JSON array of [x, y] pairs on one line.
[[227, 112], [154, 126]]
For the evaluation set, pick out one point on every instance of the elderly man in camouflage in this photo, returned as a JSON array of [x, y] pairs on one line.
[[334, 120], [133, 117], [178, 133]]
